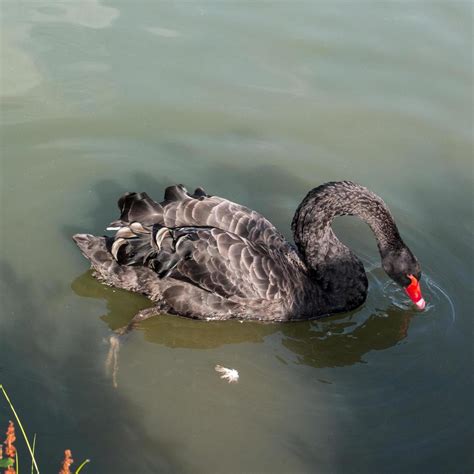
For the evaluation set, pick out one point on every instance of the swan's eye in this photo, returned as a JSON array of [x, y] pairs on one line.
[[414, 292]]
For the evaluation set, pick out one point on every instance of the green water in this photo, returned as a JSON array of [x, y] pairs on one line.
[[258, 102]]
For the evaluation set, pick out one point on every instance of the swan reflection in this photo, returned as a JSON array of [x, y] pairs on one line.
[[335, 341]]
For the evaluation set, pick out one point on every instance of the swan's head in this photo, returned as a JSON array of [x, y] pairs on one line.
[[402, 267]]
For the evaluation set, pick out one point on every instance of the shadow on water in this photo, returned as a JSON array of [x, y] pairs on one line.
[[57, 387], [335, 341]]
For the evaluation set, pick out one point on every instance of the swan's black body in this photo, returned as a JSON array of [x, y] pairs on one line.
[[204, 257]]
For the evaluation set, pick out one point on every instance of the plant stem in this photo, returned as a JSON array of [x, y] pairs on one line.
[[7, 398], [82, 465], [34, 444]]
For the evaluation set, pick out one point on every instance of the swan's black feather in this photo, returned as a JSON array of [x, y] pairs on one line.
[[139, 207], [203, 256], [175, 193]]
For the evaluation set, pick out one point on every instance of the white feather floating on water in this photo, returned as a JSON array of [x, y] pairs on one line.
[[231, 375]]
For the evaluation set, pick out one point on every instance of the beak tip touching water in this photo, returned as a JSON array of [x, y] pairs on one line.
[[420, 304]]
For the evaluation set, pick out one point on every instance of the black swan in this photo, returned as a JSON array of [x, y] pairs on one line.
[[205, 257]]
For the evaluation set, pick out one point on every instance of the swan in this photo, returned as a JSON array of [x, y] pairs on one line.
[[205, 257]]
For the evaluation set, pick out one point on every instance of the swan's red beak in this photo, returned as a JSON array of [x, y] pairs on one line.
[[414, 292]]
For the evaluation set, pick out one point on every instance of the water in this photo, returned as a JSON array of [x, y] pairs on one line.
[[258, 103]]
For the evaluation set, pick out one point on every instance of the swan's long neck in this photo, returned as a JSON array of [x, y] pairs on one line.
[[339, 278], [312, 230]]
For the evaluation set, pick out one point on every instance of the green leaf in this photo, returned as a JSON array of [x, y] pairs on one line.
[[7, 462]]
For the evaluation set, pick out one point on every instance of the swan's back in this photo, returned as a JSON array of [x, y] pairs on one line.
[[209, 257], [183, 209]]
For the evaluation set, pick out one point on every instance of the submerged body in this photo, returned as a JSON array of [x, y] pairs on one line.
[[205, 257]]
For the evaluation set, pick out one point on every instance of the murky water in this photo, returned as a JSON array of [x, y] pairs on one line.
[[258, 103]]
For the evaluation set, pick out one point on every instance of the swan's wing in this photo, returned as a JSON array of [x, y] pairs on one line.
[[229, 265], [211, 259], [180, 209]]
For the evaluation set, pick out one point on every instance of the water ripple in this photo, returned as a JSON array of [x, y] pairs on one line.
[[433, 293]]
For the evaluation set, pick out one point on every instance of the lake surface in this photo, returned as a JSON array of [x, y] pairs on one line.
[[257, 102]]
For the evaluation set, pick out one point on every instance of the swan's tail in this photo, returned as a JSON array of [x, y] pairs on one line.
[[141, 236], [135, 244], [121, 262], [95, 249]]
